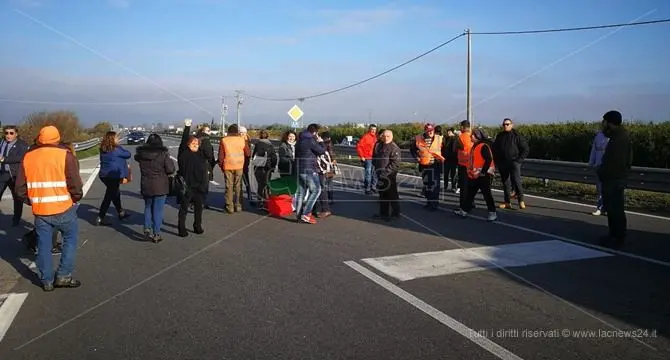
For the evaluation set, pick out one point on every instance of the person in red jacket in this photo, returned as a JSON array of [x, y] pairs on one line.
[[365, 148]]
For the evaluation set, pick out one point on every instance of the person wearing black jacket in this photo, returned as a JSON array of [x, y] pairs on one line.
[[510, 149], [12, 150], [207, 151], [450, 154], [386, 161], [193, 168], [155, 167], [480, 173], [263, 159], [613, 174]]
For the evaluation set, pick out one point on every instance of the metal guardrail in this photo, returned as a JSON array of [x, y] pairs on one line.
[[641, 178], [91, 143], [85, 145]]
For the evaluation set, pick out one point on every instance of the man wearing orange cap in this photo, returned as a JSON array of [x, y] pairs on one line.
[[49, 181], [427, 149]]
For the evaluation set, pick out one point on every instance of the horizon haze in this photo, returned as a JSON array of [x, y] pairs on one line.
[[140, 62]]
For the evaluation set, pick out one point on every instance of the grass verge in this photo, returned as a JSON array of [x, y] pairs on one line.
[[88, 153], [636, 200]]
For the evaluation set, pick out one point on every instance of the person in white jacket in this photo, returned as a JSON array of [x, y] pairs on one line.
[[597, 151]]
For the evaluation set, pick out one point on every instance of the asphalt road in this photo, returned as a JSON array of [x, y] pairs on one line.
[[266, 288]]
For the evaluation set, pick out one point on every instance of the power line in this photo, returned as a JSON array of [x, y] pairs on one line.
[[571, 29], [362, 81]]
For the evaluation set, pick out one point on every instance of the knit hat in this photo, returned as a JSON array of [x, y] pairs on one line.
[[242, 129], [613, 117], [48, 135]]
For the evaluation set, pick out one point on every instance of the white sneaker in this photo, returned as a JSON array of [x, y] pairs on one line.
[[460, 212], [493, 216], [458, 191], [596, 213]]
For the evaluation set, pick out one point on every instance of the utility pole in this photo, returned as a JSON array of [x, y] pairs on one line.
[[469, 80], [302, 119], [239, 103], [224, 112]]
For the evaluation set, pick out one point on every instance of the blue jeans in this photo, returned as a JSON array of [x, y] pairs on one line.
[[153, 213], [310, 185], [67, 224], [370, 179], [599, 189]]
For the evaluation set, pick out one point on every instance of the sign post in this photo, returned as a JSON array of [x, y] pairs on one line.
[[295, 113]]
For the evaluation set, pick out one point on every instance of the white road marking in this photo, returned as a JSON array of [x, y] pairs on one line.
[[86, 171], [545, 198], [214, 183], [8, 311], [437, 263], [538, 232], [91, 179], [443, 318]]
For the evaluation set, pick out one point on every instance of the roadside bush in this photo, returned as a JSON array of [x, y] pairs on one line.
[[99, 129], [67, 123]]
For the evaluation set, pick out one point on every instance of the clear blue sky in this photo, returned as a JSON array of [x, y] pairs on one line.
[[148, 50]]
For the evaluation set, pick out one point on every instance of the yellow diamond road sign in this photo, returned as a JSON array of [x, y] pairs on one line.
[[295, 113]]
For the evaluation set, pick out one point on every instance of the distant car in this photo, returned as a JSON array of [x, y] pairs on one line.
[[136, 137]]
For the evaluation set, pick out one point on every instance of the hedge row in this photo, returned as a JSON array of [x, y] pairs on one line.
[[559, 141]]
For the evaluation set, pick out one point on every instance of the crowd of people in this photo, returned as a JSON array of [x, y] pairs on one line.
[[46, 176], [470, 160]]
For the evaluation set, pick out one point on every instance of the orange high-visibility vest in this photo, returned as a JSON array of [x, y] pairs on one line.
[[427, 154], [44, 169], [464, 153], [234, 149], [476, 162]]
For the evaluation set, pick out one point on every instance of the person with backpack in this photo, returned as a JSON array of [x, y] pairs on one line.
[[263, 160]]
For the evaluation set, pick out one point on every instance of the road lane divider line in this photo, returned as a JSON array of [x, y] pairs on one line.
[[658, 217], [538, 232], [470, 334], [140, 283], [91, 179], [9, 309]]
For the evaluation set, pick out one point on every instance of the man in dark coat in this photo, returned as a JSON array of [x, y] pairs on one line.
[[12, 150], [613, 174], [510, 149], [386, 161]]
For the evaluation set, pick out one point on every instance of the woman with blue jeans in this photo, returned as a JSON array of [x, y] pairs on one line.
[[155, 167], [307, 150], [597, 151]]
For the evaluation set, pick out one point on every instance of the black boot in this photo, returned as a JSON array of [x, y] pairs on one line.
[[198, 229], [182, 226]]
